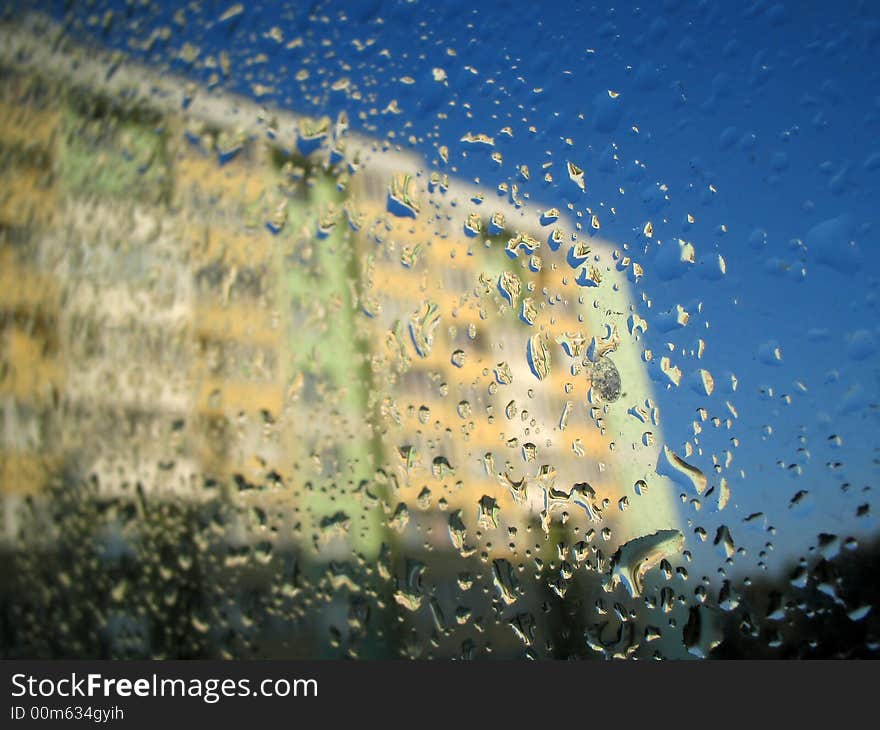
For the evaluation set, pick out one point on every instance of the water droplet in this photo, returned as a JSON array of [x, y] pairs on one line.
[[402, 198], [478, 138], [410, 593], [400, 519], [572, 343], [635, 558], [673, 466], [503, 374], [505, 581], [458, 534], [410, 255], [724, 541], [549, 216], [529, 313], [421, 327], [576, 175], [703, 632], [473, 226], [496, 223], [410, 456], [524, 241], [538, 355], [510, 287], [702, 382], [605, 380], [441, 468], [523, 625], [231, 12], [424, 499], [566, 412], [487, 513]]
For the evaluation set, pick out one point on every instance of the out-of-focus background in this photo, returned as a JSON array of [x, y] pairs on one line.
[[404, 331]]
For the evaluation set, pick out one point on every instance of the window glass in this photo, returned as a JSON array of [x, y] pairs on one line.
[[429, 330]]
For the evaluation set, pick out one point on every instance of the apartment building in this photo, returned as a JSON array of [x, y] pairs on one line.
[[206, 297]]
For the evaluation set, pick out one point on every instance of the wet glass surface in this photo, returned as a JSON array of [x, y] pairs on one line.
[[399, 329]]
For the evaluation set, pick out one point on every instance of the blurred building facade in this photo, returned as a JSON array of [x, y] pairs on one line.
[[202, 296]]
